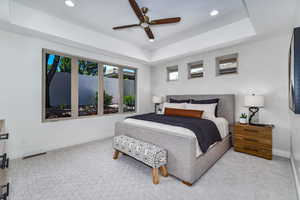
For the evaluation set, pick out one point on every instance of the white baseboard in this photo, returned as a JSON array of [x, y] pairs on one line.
[[295, 176], [281, 153], [54, 147]]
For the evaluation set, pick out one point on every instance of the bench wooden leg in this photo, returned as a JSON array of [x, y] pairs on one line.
[[187, 183], [116, 154], [155, 176], [163, 170]]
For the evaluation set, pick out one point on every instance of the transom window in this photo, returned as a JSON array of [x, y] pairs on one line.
[[195, 70], [227, 64], [76, 87], [172, 73]]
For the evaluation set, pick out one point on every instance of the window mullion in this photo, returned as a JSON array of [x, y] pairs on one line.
[[136, 90], [74, 86], [100, 89], [121, 89]]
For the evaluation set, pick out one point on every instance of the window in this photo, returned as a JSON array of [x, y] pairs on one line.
[[172, 73], [77, 87], [57, 86], [88, 86], [111, 89], [195, 69], [129, 90], [227, 64]]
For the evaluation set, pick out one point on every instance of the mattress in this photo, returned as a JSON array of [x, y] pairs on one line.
[[221, 123]]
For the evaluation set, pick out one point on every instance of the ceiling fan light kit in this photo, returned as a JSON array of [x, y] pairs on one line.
[[144, 25], [69, 3], [145, 21], [214, 13]]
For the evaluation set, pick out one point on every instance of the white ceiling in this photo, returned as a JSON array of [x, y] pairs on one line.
[[102, 15]]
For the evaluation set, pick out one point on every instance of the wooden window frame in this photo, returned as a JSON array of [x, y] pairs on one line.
[[227, 57], [172, 69], [75, 86], [194, 65]]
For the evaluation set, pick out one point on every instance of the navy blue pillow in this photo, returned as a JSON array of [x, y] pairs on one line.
[[179, 101], [207, 101]]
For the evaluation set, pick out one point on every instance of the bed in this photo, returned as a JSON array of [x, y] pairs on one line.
[[185, 161]]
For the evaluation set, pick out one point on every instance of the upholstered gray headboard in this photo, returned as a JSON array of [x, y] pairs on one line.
[[226, 106]]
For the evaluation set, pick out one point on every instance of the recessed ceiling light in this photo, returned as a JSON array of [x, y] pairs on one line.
[[69, 3], [151, 40], [214, 13]]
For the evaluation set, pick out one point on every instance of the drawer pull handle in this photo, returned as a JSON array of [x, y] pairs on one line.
[[4, 163], [4, 195], [4, 136], [250, 130], [250, 149], [250, 140], [7, 163]]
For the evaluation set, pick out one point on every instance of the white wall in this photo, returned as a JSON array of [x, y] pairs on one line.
[[20, 101], [297, 20], [4, 10], [263, 69], [295, 147]]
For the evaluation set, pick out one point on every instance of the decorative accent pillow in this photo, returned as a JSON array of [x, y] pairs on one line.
[[207, 101], [173, 105], [208, 109], [179, 101], [183, 112]]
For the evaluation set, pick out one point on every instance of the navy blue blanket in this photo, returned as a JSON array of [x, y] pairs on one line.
[[205, 130]]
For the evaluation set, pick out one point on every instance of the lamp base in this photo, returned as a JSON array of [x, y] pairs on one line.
[[156, 108], [253, 110]]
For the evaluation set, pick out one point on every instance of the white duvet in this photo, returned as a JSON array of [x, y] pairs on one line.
[[221, 123]]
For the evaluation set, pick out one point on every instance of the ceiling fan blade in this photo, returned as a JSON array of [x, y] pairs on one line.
[[165, 21], [137, 10], [149, 33], [126, 26]]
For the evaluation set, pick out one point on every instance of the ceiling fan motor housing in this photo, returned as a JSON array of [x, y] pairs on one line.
[[144, 10], [146, 19]]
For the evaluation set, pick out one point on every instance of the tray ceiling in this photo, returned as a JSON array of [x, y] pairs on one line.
[[102, 15]]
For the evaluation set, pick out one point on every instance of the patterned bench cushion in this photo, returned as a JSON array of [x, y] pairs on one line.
[[149, 154]]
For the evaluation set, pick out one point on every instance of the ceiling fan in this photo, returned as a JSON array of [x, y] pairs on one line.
[[145, 21]]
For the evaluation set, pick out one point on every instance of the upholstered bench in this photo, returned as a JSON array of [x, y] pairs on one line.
[[150, 154]]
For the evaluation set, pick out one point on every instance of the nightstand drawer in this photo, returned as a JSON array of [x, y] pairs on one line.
[[254, 146], [257, 141], [261, 152], [255, 132]]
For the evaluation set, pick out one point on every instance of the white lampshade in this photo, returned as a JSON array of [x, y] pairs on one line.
[[254, 101], [156, 99]]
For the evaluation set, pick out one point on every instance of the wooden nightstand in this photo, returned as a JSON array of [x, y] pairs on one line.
[[254, 140]]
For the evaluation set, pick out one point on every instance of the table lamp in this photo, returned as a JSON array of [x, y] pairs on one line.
[[254, 102], [156, 100]]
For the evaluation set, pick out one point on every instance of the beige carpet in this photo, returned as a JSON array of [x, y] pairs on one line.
[[87, 172]]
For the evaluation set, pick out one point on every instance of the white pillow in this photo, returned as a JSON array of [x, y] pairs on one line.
[[209, 109], [173, 105]]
